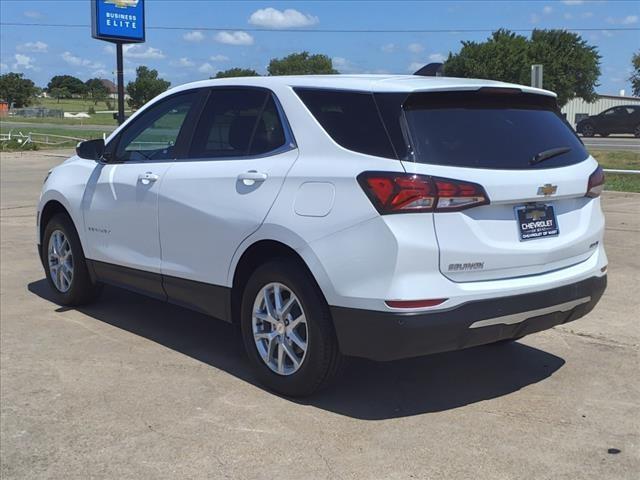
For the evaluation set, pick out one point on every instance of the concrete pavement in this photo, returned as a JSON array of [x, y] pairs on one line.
[[133, 388]]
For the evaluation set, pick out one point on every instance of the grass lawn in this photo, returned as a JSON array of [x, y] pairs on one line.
[[73, 104], [63, 130], [96, 119], [622, 160]]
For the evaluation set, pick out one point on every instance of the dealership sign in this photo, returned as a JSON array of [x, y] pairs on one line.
[[120, 21]]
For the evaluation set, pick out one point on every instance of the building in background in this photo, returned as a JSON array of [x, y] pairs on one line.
[[577, 108], [4, 108]]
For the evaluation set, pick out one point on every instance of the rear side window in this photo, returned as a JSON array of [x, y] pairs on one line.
[[350, 118], [489, 130], [237, 123]]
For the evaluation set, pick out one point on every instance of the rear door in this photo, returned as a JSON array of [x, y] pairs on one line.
[[220, 193], [492, 139]]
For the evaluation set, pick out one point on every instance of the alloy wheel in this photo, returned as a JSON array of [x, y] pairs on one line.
[[60, 261], [280, 328]]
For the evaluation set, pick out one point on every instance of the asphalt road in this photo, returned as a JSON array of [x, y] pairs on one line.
[[613, 143], [133, 388]]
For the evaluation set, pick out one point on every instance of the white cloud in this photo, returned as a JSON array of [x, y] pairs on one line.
[[388, 48], [415, 66], [195, 36], [415, 47], [219, 58], [343, 65], [33, 14], [535, 18], [23, 62], [3, 67], [76, 61], [140, 51], [547, 10], [567, 16], [586, 14], [234, 38], [35, 47], [183, 62], [206, 68], [573, 2], [289, 18], [629, 20], [436, 57]]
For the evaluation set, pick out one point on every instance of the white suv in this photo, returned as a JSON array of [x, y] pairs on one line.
[[328, 216]]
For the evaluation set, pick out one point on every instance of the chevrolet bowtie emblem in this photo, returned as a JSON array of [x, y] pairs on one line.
[[547, 189]]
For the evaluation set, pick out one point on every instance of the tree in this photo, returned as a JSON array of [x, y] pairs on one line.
[[74, 85], [146, 86], [16, 90], [59, 92], [237, 72], [301, 64], [571, 66], [96, 90], [504, 56], [635, 76]]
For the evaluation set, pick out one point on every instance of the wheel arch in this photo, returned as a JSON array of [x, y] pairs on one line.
[[50, 209], [253, 256]]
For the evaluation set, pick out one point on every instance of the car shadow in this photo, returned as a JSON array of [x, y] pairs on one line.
[[366, 390]]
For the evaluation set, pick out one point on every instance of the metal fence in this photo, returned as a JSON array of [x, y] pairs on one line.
[[37, 112]]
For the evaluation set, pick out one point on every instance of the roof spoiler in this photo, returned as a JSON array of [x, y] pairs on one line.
[[435, 69]]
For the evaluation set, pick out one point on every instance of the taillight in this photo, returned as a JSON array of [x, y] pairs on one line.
[[404, 193], [596, 183]]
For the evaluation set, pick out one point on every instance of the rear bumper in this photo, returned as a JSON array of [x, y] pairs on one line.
[[390, 335]]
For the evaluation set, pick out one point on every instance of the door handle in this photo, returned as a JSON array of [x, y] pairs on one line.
[[252, 176], [147, 178]]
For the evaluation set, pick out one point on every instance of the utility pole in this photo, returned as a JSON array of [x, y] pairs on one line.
[[120, 75], [536, 76]]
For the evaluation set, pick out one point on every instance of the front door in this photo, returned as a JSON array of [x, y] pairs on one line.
[[120, 204]]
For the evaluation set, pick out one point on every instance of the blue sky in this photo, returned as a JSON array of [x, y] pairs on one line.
[[185, 55]]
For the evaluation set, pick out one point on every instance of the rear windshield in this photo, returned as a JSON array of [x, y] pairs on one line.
[[484, 130]]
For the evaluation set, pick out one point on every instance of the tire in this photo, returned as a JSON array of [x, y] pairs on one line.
[[72, 284], [636, 131], [588, 130], [604, 134], [320, 361]]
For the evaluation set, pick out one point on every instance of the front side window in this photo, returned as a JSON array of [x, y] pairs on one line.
[[154, 134], [237, 123]]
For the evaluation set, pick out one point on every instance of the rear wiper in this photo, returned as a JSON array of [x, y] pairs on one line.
[[547, 154]]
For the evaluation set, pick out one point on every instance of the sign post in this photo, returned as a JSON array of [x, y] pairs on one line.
[[119, 22]]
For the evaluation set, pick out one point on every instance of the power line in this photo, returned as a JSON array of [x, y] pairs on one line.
[[324, 30]]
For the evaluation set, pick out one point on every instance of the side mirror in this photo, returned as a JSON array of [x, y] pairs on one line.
[[91, 149]]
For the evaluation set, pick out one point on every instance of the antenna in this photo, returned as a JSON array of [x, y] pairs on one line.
[[435, 69]]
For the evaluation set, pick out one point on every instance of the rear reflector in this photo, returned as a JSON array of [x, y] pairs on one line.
[[404, 193], [596, 183], [415, 303]]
